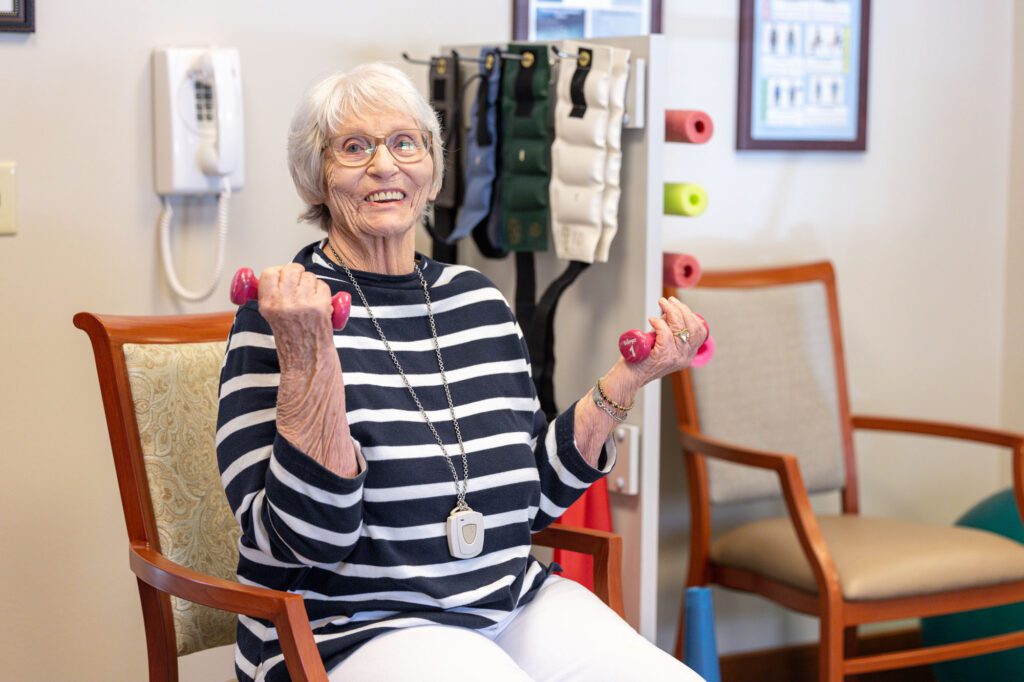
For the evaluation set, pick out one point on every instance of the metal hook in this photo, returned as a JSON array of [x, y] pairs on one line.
[[406, 57], [475, 60], [503, 55], [563, 55]]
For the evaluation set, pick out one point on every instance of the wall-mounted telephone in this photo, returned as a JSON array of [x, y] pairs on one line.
[[198, 139]]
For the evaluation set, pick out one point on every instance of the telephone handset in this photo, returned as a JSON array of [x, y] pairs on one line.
[[219, 155], [198, 139]]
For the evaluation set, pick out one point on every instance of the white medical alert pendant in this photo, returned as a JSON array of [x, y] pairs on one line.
[[465, 533]]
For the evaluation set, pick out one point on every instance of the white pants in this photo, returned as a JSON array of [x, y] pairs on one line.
[[564, 634]]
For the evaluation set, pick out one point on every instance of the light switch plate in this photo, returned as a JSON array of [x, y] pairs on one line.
[[8, 198]]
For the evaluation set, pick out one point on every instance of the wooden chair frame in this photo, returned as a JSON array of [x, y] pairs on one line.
[[158, 577], [839, 618]]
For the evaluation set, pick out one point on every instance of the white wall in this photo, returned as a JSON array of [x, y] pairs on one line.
[[917, 228], [1013, 342], [924, 213]]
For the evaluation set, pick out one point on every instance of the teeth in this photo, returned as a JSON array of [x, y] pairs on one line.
[[386, 196]]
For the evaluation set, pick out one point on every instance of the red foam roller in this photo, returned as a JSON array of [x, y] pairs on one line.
[[245, 286], [688, 125], [680, 270]]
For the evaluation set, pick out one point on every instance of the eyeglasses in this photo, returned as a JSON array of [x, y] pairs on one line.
[[356, 149]]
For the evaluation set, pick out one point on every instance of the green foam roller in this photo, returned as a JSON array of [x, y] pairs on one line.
[[685, 198]]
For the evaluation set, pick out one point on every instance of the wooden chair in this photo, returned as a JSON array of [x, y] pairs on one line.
[[159, 379], [772, 409]]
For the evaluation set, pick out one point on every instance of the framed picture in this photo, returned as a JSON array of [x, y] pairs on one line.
[[574, 19], [803, 75], [17, 15]]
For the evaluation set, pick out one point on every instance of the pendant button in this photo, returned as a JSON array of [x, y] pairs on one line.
[[465, 530]]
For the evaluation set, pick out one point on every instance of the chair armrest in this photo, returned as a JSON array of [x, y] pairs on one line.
[[284, 609], [604, 547], [977, 434], [798, 502], [1009, 439]]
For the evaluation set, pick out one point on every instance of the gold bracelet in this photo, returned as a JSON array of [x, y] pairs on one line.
[[604, 396], [608, 409]]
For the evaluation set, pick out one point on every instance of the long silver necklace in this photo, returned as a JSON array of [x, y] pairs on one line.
[[465, 527]]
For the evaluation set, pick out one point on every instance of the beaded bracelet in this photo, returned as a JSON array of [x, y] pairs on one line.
[[607, 409], [617, 406]]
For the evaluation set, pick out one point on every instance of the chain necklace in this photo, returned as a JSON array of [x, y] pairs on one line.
[[465, 528]]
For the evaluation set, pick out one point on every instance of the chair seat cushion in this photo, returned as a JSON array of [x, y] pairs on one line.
[[876, 558]]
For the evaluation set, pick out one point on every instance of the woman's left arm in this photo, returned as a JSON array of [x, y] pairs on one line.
[[593, 424]]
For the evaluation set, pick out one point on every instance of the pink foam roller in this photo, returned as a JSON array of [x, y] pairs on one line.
[[688, 125], [245, 286], [680, 270]]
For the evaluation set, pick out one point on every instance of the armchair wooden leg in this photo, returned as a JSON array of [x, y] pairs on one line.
[[830, 650], [681, 628], [851, 643], [160, 639]]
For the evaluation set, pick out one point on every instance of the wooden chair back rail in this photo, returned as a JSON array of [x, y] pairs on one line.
[[838, 618], [823, 274], [158, 577]]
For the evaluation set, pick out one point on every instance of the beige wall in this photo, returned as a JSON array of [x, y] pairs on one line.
[[918, 230], [925, 214]]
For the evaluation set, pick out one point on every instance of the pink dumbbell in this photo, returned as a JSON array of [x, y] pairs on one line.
[[245, 286], [636, 345]]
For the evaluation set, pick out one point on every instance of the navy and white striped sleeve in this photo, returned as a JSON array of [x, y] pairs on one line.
[[564, 474], [288, 505]]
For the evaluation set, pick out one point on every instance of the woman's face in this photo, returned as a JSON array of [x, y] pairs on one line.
[[384, 198]]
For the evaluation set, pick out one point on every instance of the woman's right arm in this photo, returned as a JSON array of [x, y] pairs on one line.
[[289, 466], [311, 398]]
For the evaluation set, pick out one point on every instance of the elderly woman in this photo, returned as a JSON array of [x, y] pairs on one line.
[[392, 473]]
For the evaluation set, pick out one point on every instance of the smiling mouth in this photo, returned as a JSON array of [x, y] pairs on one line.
[[385, 197]]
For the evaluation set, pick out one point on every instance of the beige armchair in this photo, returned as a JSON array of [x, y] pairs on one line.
[[764, 415], [159, 379]]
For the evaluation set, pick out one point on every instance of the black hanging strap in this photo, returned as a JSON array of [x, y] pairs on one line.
[[445, 97], [540, 338], [526, 288], [579, 78]]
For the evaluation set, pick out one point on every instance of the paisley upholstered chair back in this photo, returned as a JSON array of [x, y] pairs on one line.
[[174, 390], [772, 385]]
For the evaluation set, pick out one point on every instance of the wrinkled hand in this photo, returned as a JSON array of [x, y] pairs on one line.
[[670, 353], [297, 305]]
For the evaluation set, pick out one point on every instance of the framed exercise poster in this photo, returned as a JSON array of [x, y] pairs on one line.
[[576, 19], [803, 74], [17, 15]]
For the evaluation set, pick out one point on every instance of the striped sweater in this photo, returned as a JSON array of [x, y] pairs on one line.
[[369, 554]]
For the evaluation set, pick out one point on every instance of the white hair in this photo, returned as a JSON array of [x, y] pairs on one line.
[[364, 89]]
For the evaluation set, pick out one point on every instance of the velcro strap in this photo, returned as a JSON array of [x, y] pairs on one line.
[[579, 77]]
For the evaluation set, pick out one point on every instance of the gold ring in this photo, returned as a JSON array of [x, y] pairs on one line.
[[684, 334]]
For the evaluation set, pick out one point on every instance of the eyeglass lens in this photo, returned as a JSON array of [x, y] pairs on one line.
[[356, 149]]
